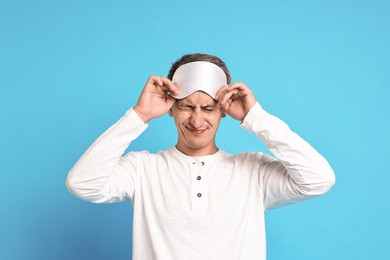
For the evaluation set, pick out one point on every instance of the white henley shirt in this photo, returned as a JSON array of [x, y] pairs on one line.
[[200, 208]]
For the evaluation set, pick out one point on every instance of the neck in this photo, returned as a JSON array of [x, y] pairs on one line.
[[197, 152]]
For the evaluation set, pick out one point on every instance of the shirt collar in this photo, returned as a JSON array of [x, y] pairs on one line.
[[205, 158]]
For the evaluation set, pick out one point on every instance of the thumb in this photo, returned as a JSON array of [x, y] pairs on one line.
[[225, 105], [170, 101]]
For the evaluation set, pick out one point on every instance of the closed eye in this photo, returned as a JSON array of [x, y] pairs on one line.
[[186, 107], [208, 108], [189, 107]]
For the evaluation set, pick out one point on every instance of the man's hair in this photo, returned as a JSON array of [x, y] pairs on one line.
[[199, 57]]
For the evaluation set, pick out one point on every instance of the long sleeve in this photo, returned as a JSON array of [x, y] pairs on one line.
[[300, 171], [101, 175]]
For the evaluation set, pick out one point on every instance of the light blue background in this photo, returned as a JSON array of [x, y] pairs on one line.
[[70, 69]]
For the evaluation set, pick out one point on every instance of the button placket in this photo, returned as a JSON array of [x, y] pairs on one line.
[[198, 185], [200, 177]]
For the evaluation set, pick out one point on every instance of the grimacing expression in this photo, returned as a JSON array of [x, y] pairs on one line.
[[197, 119]]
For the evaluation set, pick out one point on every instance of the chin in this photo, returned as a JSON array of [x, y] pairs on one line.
[[196, 146]]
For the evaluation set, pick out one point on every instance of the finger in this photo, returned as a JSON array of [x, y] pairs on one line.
[[170, 86], [245, 91], [238, 94], [221, 95], [236, 87], [220, 91], [228, 95], [155, 80], [161, 85], [225, 104], [226, 100], [239, 86], [169, 100]]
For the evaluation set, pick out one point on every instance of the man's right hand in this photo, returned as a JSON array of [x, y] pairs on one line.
[[155, 99]]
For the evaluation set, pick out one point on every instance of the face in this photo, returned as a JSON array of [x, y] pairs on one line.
[[197, 119]]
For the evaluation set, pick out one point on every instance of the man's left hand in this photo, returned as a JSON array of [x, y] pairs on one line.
[[236, 100]]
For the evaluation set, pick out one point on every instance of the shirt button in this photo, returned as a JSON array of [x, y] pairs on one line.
[[198, 178], [199, 195]]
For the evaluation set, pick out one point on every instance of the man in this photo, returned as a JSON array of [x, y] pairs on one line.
[[193, 200]]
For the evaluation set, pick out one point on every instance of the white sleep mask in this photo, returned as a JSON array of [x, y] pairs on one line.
[[198, 75]]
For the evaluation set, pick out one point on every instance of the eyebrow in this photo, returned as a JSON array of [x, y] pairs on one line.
[[185, 104]]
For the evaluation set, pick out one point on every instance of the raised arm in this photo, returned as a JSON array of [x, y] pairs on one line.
[[102, 175], [299, 172]]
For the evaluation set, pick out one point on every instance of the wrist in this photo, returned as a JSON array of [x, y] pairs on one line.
[[249, 106], [143, 116]]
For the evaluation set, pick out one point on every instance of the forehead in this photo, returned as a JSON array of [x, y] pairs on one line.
[[198, 98]]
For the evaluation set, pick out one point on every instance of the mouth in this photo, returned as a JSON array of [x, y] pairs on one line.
[[196, 131]]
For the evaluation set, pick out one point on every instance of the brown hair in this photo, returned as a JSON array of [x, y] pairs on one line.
[[199, 57]]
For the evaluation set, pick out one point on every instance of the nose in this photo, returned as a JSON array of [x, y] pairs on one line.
[[196, 119]]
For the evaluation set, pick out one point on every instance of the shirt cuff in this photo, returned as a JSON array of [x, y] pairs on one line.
[[135, 121], [253, 116]]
